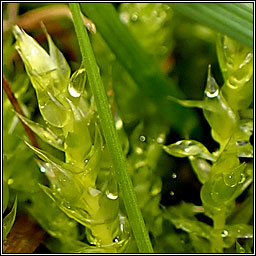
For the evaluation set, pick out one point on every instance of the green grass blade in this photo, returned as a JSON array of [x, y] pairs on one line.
[[142, 68], [8, 220], [234, 20], [108, 127]]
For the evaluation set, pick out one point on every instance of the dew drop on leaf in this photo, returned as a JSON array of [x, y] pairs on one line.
[[119, 124], [142, 138], [77, 83], [212, 89], [224, 233], [139, 151], [112, 196]]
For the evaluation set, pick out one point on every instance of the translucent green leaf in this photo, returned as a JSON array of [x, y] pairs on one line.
[[75, 213], [236, 62], [57, 57], [242, 213], [55, 161], [201, 167], [51, 218], [239, 248], [44, 133], [8, 221], [186, 220], [186, 148], [239, 231], [223, 119]]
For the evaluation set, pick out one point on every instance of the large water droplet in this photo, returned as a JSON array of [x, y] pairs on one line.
[[212, 89], [111, 196], [77, 83]]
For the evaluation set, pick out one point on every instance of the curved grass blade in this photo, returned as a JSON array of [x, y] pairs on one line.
[[8, 221]]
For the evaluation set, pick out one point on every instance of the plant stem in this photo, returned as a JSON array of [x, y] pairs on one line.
[[111, 137], [18, 109]]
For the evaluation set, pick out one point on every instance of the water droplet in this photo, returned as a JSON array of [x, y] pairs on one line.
[[139, 151], [235, 177], [86, 161], [59, 190], [161, 138], [77, 83], [243, 178], [172, 193], [156, 187], [68, 206], [224, 233], [212, 89], [142, 138], [116, 239], [134, 17], [119, 124], [42, 169], [111, 196], [174, 175]]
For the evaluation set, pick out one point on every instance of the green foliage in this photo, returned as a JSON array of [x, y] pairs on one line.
[[97, 153], [227, 177]]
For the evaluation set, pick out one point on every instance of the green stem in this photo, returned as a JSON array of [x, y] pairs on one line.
[[218, 228], [108, 127]]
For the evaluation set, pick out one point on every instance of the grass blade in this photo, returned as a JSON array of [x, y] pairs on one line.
[[108, 127], [232, 19]]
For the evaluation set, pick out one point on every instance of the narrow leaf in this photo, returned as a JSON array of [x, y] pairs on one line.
[[8, 221], [110, 133], [232, 19]]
